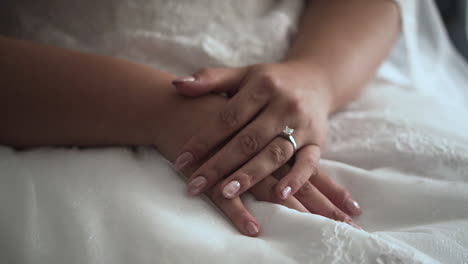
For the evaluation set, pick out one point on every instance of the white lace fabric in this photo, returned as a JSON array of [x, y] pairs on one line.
[[401, 149]]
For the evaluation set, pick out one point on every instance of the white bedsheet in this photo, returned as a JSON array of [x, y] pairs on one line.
[[401, 150]]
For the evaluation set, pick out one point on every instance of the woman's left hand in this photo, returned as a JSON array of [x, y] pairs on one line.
[[265, 100]]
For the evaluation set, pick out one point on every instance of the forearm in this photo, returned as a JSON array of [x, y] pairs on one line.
[[52, 96], [345, 41]]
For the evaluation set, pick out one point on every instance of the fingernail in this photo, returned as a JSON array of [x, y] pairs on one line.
[[285, 193], [196, 185], [231, 189], [183, 80], [252, 228], [350, 222], [183, 160], [353, 207]]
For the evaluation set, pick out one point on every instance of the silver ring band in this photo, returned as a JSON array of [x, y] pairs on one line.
[[287, 134]]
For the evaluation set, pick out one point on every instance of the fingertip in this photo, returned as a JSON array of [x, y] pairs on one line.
[[188, 89], [184, 160], [285, 193], [196, 185], [251, 229], [182, 80], [353, 207], [247, 224], [282, 191], [188, 86], [231, 190]]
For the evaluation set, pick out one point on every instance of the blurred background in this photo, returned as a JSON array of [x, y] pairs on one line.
[[455, 16], [453, 12]]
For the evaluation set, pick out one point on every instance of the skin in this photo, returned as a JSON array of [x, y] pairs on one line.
[[56, 97], [52, 96], [339, 47]]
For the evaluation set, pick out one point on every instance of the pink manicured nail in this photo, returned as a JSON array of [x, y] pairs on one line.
[[285, 193], [231, 189], [183, 160], [183, 80], [252, 229], [196, 185], [353, 207]]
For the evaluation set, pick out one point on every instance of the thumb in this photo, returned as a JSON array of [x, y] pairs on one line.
[[217, 80]]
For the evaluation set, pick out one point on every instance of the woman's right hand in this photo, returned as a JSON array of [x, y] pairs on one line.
[[320, 195], [308, 200]]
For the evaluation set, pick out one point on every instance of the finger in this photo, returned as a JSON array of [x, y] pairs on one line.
[[265, 191], [319, 204], [336, 194], [240, 149], [305, 166], [235, 210], [272, 157], [283, 170], [207, 80], [236, 114]]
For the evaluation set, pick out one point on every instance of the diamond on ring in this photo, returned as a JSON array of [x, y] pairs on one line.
[[287, 134], [288, 131]]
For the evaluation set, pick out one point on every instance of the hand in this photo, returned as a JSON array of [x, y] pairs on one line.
[[309, 199], [188, 115], [265, 99]]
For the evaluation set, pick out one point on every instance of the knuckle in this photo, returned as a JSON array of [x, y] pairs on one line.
[[249, 143], [213, 170], [337, 215], [259, 94], [271, 82], [277, 154], [228, 118], [295, 106], [342, 195], [314, 164], [305, 190], [245, 178]]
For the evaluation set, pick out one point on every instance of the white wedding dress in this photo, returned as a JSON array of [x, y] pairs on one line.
[[401, 149]]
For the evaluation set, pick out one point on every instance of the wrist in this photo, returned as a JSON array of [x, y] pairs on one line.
[[144, 105], [317, 79], [182, 117]]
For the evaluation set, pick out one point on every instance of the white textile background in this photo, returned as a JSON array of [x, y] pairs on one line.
[[401, 149]]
